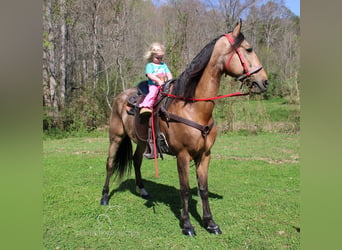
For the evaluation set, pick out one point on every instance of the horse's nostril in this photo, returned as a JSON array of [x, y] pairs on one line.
[[265, 83]]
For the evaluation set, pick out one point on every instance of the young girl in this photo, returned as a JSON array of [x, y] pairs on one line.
[[157, 73]]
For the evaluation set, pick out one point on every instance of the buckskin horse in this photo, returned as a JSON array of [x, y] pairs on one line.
[[192, 135]]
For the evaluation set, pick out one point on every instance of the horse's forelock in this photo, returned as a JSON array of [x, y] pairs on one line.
[[238, 40]]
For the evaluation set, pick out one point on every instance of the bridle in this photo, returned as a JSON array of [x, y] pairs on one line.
[[246, 72]]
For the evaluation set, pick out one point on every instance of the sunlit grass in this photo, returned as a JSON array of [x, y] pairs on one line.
[[254, 197]]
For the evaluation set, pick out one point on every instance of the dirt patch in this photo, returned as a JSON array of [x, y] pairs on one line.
[[266, 159]]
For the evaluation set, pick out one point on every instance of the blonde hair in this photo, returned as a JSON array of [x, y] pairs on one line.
[[155, 48]]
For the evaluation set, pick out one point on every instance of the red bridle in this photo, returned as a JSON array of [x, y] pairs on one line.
[[246, 71]]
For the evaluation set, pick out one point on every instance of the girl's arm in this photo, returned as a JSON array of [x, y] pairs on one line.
[[155, 79]]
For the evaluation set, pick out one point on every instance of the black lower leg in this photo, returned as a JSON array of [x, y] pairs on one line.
[[187, 228], [105, 196], [208, 222]]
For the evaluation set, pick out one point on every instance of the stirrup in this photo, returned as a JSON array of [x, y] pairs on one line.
[[149, 155], [149, 152], [145, 111]]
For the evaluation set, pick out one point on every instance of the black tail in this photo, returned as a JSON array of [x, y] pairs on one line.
[[123, 159]]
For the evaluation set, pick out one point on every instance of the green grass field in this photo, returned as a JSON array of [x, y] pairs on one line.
[[254, 197]]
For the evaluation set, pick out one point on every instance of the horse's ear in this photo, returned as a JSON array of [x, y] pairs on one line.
[[237, 29]]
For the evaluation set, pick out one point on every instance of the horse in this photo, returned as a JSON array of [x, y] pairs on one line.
[[228, 54]]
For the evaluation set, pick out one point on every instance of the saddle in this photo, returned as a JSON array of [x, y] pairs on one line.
[[142, 124]]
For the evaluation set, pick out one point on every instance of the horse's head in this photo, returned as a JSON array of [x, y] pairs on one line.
[[242, 62]]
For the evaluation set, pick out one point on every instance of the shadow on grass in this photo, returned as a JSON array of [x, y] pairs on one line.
[[165, 194]]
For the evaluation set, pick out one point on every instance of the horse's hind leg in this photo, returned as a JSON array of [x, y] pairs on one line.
[[113, 148], [137, 160], [116, 135]]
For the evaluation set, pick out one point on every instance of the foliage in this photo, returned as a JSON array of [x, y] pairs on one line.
[[84, 113], [255, 113], [254, 197], [245, 115]]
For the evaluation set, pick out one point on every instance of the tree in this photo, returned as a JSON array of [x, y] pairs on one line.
[[50, 93], [62, 58], [232, 10]]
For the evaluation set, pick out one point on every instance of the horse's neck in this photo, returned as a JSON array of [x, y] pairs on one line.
[[209, 83], [207, 87]]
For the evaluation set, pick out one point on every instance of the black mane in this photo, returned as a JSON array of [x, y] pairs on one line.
[[186, 83]]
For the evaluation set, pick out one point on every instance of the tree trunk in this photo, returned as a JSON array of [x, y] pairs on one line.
[[95, 42], [49, 71], [62, 61]]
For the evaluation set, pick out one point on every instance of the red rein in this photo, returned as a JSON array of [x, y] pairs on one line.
[[206, 99]]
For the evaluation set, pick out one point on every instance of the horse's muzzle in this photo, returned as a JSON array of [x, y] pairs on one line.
[[259, 87]]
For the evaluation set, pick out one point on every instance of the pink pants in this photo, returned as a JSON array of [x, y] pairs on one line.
[[150, 97]]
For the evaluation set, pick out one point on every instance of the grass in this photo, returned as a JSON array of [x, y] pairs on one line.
[[245, 113], [254, 197]]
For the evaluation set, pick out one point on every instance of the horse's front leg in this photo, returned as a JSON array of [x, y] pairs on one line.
[[183, 162], [202, 179]]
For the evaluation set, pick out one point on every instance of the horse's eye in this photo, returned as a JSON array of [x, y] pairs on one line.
[[249, 50]]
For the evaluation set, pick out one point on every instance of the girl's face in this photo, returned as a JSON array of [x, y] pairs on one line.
[[158, 58]]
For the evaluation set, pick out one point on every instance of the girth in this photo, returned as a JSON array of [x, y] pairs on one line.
[[205, 129]]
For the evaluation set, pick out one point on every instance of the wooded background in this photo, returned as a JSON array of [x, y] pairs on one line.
[[93, 49]]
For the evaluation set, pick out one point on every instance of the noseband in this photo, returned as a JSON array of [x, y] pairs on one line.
[[246, 72]]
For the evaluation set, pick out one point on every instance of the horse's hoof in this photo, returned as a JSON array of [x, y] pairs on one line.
[[143, 193], [189, 232], [104, 201], [214, 230]]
